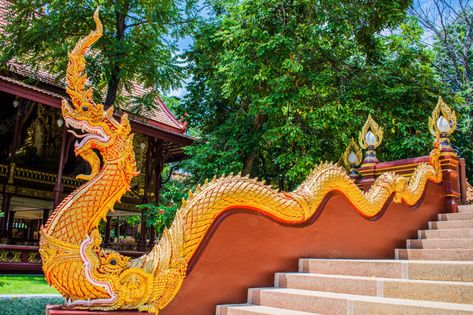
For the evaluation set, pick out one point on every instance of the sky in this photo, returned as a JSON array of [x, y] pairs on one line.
[[184, 44]]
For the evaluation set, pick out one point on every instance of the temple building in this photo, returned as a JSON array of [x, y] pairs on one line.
[[38, 167]]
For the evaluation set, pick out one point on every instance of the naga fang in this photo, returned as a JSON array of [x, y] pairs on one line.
[[90, 277]]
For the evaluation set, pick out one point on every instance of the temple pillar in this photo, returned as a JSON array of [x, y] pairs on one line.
[[158, 168], [108, 227], [45, 215], [11, 218], [32, 226], [152, 236], [59, 187], [117, 230], [35, 228], [141, 245], [4, 231], [5, 208]]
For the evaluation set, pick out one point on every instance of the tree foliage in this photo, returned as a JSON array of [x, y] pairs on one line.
[[139, 42], [448, 25], [279, 86], [160, 215]]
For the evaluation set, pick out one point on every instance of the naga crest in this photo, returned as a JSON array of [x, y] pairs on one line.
[[94, 127]]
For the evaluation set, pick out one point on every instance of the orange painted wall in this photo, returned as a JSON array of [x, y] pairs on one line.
[[245, 249]]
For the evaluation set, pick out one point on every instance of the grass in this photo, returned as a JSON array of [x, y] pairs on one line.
[[25, 284], [27, 304]]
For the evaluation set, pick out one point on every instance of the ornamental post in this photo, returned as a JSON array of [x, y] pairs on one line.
[[442, 124], [369, 138], [351, 159]]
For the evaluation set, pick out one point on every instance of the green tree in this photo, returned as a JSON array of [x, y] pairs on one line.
[[279, 86], [449, 25], [139, 42], [173, 191]]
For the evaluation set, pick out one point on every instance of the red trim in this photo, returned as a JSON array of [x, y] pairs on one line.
[[170, 114], [29, 94], [17, 267], [161, 134], [150, 122], [153, 123], [168, 133], [33, 94], [406, 162]]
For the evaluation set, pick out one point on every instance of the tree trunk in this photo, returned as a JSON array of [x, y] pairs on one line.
[[112, 88], [250, 157], [248, 163], [114, 81]]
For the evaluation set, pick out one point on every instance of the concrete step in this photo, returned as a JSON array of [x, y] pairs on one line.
[[454, 224], [452, 243], [340, 303], [402, 269], [465, 208], [435, 254], [248, 309], [438, 291], [446, 233], [455, 216]]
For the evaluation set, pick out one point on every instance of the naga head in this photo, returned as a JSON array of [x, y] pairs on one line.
[[96, 128]]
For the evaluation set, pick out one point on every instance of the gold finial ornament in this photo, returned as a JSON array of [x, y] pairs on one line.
[[352, 158], [443, 121], [370, 137]]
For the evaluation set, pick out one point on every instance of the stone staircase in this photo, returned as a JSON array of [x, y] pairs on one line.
[[433, 275]]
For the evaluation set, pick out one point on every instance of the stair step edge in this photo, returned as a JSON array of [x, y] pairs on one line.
[[372, 299], [400, 280], [261, 309]]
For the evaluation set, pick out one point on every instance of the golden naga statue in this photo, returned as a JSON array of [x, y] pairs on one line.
[[90, 277]]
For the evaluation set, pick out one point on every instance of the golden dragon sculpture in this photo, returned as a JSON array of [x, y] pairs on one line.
[[94, 278]]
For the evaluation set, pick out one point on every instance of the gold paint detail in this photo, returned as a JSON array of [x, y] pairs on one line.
[[352, 146], [12, 172], [11, 256], [10, 189], [370, 125], [39, 177], [442, 109], [3, 170], [33, 257], [93, 278], [3, 255]]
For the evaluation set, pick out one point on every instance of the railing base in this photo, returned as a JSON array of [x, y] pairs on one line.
[[58, 310]]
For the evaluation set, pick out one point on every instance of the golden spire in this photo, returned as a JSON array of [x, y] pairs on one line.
[[443, 119]]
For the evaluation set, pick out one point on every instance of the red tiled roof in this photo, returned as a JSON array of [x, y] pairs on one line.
[[160, 116]]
